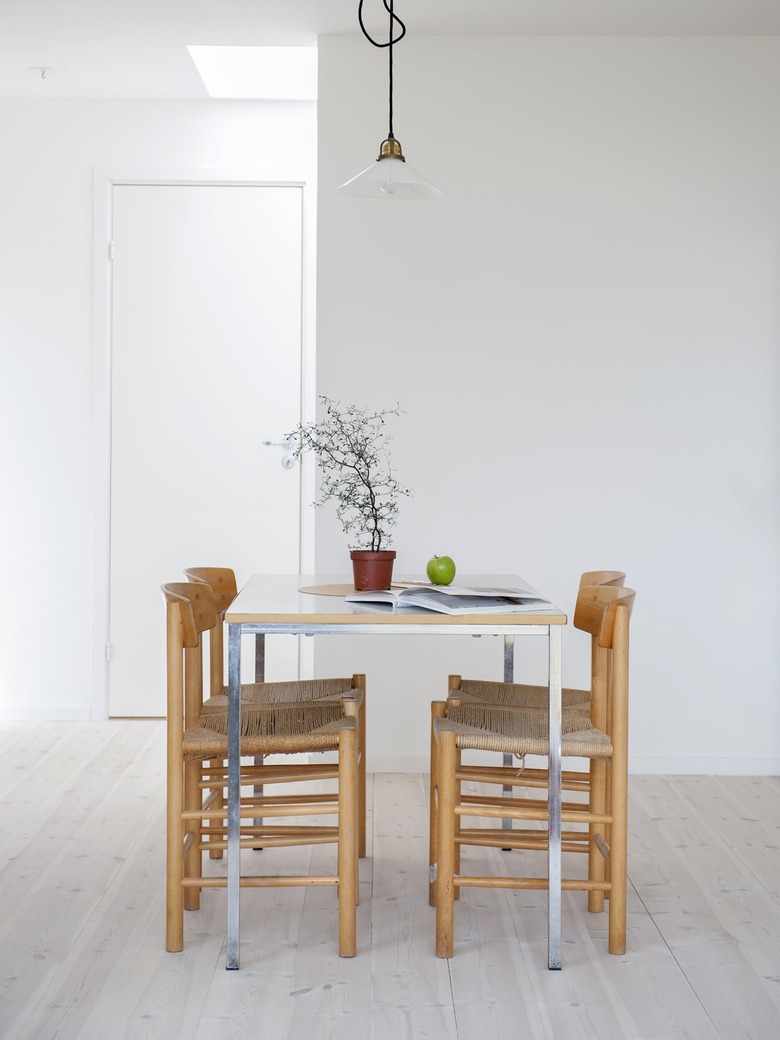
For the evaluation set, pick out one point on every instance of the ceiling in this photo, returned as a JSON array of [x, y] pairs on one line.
[[137, 48]]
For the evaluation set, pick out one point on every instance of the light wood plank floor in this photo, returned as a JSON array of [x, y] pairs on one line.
[[82, 895]]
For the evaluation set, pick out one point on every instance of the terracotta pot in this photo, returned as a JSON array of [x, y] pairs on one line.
[[372, 570]]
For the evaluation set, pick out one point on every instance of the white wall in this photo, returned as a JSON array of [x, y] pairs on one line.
[[46, 341], [584, 335]]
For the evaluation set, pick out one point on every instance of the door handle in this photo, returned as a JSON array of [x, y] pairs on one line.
[[288, 462]]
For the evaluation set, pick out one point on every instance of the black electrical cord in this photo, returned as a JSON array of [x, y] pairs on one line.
[[388, 6]]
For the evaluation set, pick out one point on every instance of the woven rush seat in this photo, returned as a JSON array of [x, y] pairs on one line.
[[517, 695], [521, 731], [295, 703], [271, 729]]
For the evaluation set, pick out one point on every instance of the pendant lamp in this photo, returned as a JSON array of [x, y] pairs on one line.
[[390, 177]]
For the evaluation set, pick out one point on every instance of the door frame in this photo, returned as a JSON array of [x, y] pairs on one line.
[[104, 180]]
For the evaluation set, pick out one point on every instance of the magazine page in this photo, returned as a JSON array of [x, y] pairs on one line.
[[446, 599], [517, 590]]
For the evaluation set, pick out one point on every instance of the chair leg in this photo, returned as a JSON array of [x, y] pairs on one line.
[[596, 863], [438, 710], [193, 860], [218, 803], [618, 855], [445, 883], [455, 681], [359, 681], [608, 810], [619, 790], [601, 719], [348, 842], [618, 869], [174, 912], [457, 822]]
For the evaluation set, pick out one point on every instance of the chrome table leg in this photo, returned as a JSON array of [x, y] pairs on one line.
[[234, 796], [554, 799]]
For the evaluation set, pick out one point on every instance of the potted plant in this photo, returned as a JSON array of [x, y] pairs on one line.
[[351, 447]]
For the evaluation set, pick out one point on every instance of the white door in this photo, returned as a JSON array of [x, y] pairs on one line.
[[206, 365]]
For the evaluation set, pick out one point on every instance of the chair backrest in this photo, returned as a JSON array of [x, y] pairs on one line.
[[222, 582], [191, 611], [617, 578], [596, 610], [196, 609]]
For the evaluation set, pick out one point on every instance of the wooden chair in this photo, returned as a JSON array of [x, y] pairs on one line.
[[222, 581], [196, 818], [590, 704], [604, 612]]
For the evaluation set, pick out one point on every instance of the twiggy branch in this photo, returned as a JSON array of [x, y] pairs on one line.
[[351, 447]]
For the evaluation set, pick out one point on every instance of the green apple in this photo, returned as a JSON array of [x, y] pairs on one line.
[[441, 570]]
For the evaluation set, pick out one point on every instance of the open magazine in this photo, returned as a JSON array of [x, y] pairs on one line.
[[455, 599]]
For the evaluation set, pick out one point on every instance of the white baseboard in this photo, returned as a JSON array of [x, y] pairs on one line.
[[652, 765], [396, 764]]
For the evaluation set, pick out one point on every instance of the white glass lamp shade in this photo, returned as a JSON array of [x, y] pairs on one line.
[[390, 177]]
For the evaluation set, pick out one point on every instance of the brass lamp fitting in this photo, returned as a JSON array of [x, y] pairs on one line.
[[390, 149]]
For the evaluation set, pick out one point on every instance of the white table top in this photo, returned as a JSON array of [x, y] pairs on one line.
[[278, 599]]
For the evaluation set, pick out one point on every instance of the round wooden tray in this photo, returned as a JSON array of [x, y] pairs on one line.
[[328, 590]]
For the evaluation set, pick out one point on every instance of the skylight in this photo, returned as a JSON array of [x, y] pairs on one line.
[[265, 73]]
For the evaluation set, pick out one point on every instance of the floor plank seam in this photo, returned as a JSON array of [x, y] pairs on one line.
[[453, 1004], [672, 954]]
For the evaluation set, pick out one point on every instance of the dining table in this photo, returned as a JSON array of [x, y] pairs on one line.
[[315, 605]]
